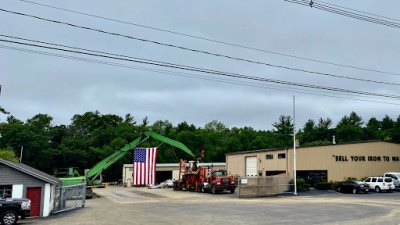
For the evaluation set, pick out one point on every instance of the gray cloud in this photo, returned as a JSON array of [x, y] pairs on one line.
[[61, 87]]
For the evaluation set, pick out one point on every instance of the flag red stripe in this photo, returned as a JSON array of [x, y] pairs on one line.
[[136, 170], [151, 170], [155, 164]]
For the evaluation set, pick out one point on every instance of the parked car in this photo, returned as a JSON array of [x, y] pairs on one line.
[[353, 186], [12, 208], [395, 177], [380, 183], [167, 184], [154, 186]]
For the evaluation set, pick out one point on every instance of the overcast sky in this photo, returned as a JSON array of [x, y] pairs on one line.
[[60, 87]]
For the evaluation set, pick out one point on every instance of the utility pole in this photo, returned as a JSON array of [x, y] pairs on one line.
[[294, 146]]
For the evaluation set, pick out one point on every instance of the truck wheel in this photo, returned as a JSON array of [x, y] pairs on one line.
[[232, 191], [9, 217], [377, 189], [213, 190]]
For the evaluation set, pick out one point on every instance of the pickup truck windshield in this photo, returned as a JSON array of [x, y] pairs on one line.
[[220, 173]]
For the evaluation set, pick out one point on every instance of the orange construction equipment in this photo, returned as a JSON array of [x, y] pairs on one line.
[[193, 177]]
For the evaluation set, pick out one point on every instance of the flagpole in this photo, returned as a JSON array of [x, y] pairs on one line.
[[294, 146]]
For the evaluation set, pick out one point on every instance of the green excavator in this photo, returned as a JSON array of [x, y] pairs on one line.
[[91, 175]]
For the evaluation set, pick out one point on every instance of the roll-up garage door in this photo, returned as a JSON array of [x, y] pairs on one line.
[[251, 166]]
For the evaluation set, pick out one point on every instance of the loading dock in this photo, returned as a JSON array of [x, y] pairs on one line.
[[163, 175]]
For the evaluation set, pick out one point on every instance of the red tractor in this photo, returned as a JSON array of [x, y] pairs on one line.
[[200, 179]]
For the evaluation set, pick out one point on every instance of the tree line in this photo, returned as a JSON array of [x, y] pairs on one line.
[[93, 136]]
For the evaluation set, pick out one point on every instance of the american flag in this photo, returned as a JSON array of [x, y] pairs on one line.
[[144, 166]]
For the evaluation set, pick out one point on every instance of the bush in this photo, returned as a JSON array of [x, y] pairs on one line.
[[324, 185], [335, 184], [351, 178], [301, 184]]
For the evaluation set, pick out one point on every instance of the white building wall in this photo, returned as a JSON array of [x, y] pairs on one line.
[[52, 196], [46, 200], [175, 174], [17, 191]]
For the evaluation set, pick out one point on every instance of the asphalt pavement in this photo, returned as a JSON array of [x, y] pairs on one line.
[[119, 205]]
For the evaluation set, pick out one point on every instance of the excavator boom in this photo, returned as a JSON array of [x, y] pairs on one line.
[[169, 141], [105, 163], [93, 173]]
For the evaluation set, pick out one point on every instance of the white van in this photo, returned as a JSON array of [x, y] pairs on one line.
[[395, 177]]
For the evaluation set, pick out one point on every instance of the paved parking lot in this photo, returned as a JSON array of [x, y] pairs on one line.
[[164, 206]]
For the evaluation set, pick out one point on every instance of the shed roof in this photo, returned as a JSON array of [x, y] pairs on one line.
[[31, 171]]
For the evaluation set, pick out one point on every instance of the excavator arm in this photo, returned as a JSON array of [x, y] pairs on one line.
[[105, 163], [169, 141]]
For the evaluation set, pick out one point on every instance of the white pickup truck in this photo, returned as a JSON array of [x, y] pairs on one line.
[[395, 177]]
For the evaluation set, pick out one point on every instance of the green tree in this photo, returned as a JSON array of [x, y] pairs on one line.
[[8, 154], [353, 120], [372, 130], [324, 124], [284, 128], [387, 123], [349, 128]]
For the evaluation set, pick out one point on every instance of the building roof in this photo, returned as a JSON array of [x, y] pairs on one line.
[[31, 171], [300, 147], [177, 164]]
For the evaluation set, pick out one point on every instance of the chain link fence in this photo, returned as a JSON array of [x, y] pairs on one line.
[[69, 197]]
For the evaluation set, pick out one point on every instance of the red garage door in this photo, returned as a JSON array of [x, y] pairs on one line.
[[34, 194]]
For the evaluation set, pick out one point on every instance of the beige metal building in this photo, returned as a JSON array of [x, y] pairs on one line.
[[333, 162], [164, 171]]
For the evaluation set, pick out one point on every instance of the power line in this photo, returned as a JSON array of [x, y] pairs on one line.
[[102, 52], [107, 53], [202, 51], [339, 11], [84, 49], [357, 11], [188, 75], [212, 40], [214, 72], [89, 50]]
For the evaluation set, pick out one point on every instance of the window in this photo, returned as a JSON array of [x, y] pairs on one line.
[[391, 176], [373, 180], [368, 180], [388, 179], [281, 156], [220, 173], [273, 173], [5, 191], [269, 156], [380, 180]]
